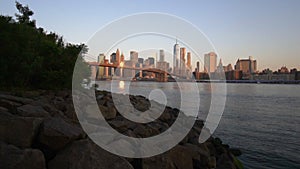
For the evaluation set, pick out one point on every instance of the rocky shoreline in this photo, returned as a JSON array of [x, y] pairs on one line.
[[40, 130]]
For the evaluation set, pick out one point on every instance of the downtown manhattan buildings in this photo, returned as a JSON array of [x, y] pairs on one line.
[[151, 67]]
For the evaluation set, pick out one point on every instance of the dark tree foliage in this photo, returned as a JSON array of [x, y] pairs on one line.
[[32, 58], [25, 14]]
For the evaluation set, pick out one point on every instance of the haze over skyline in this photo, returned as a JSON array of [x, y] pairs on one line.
[[266, 30]]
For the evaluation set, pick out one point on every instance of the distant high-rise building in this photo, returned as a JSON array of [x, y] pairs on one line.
[[151, 60], [118, 57], [247, 66], [134, 56], [122, 57], [113, 58], [220, 67], [182, 54], [161, 55], [210, 62], [198, 66], [182, 68], [189, 62], [176, 57], [141, 60]]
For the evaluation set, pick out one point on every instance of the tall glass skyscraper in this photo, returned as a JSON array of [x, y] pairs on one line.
[[176, 57]]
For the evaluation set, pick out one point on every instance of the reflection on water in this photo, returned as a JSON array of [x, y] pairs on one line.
[[121, 84]]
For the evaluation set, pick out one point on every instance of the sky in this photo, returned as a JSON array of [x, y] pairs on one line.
[[268, 30]]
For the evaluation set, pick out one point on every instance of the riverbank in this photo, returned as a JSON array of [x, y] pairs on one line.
[[40, 130]]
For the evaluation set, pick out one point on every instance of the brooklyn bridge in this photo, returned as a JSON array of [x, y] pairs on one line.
[[129, 73]]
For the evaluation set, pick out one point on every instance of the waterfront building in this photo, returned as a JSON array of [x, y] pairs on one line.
[[227, 68], [247, 66], [234, 75], [283, 69], [210, 62]]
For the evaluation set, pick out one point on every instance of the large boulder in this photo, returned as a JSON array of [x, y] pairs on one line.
[[56, 133], [178, 157], [12, 157], [19, 131], [21, 100], [86, 154], [11, 106], [32, 111], [108, 112]]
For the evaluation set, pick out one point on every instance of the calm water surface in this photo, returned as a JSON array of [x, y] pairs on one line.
[[262, 120]]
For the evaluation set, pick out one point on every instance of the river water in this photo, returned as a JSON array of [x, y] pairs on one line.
[[263, 120]]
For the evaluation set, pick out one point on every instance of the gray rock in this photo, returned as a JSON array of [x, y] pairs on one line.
[[145, 131], [19, 131], [177, 158], [86, 154], [11, 106], [32, 111], [108, 112], [16, 99], [56, 133], [3, 109], [12, 157], [122, 125], [45, 104]]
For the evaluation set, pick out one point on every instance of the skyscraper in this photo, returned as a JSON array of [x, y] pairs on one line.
[[134, 56], [182, 61], [161, 55], [210, 62], [113, 58], [118, 58], [198, 66], [189, 64], [176, 57], [182, 55]]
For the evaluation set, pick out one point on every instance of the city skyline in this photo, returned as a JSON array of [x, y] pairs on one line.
[[267, 30], [194, 63]]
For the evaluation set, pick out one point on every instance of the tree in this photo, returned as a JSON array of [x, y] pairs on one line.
[[25, 14], [31, 58]]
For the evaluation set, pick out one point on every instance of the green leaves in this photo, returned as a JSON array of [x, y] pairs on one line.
[[32, 58]]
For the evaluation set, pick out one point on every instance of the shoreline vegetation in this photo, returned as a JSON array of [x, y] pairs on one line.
[[40, 130]]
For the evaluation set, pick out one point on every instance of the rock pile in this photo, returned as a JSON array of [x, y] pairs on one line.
[[40, 130]]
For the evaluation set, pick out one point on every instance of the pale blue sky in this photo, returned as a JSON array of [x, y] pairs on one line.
[[268, 30]]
